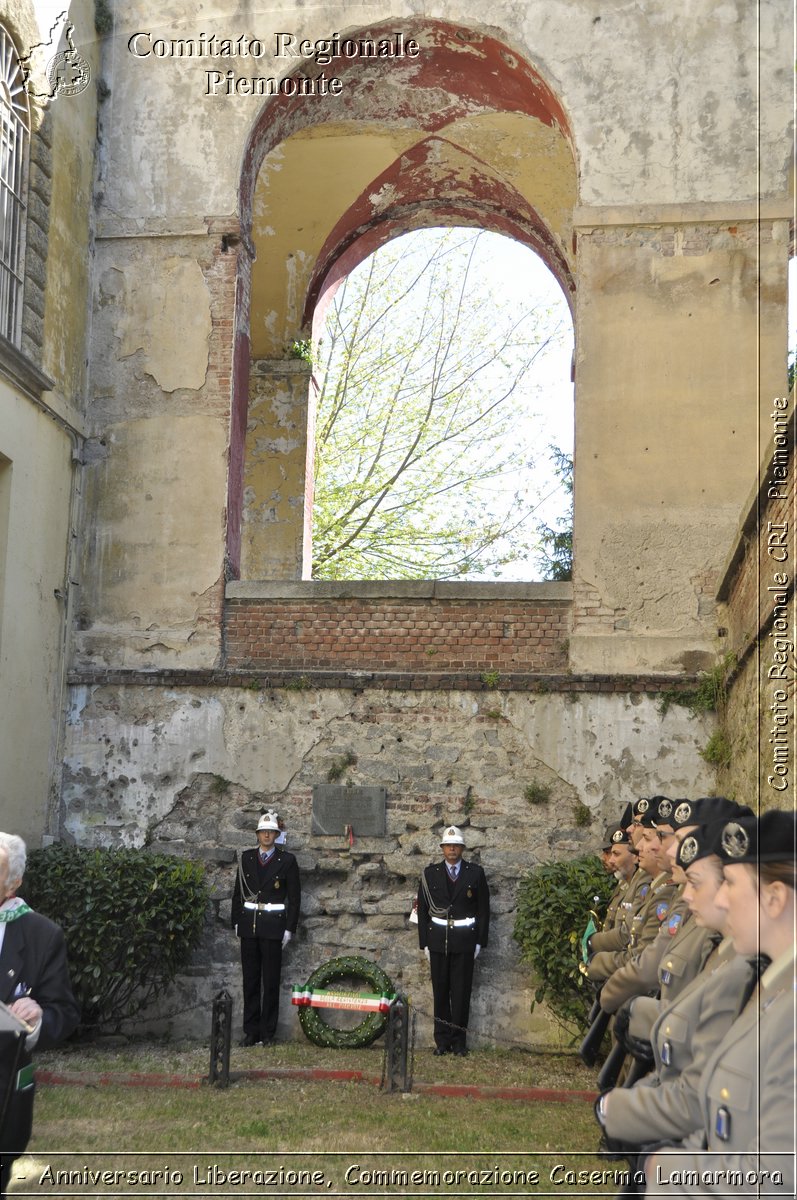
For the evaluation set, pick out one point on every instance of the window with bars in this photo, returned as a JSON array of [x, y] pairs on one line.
[[14, 131]]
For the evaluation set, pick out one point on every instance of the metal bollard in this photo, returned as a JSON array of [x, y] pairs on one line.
[[396, 1047], [220, 1035]]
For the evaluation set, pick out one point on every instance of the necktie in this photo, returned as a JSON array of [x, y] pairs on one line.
[[758, 964], [453, 872]]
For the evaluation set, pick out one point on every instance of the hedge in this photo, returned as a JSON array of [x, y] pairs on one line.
[[553, 905], [131, 921]]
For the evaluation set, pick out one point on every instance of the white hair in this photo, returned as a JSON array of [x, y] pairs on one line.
[[16, 854]]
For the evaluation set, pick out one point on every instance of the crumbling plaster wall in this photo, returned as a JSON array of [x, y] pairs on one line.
[[42, 399], [189, 770], [657, 118]]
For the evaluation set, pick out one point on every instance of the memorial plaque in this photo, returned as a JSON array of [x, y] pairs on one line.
[[336, 807]]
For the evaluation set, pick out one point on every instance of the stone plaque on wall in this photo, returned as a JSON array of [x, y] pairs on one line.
[[336, 807]]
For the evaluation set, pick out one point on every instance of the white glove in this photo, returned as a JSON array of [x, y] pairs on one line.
[[286, 937], [426, 953], [477, 951]]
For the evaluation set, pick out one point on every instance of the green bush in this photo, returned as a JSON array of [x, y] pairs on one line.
[[131, 920], [553, 905]]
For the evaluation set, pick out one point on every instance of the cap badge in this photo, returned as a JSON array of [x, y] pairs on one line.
[[735, 840], [642, 806], [682, 813], [687, 851]]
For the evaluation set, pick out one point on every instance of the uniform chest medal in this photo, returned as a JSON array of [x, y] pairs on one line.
[[276, 884], [469, 894], [666, 1054]]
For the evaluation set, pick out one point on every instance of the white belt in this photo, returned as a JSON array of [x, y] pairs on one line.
[[264, 907], [466, 921]]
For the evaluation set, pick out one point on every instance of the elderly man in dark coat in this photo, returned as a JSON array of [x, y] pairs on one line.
[[34, 985]]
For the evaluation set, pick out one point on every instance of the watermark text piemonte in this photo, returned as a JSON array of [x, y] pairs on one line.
[[323, 52]]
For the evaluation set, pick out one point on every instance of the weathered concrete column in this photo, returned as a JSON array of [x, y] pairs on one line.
[[278, 473], [681, 346]]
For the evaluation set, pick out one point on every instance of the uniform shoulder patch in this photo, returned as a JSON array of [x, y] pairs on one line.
[[674, 924], [661, 910], [643, 891]]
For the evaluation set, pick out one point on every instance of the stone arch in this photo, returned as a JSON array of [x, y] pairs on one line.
[[467, 133]]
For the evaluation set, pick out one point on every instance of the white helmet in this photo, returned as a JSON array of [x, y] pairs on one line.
[[452, 837], [268, 821]]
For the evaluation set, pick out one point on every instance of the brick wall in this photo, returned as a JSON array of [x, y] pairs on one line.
[[762, 565], [419, 627], [758, 596]]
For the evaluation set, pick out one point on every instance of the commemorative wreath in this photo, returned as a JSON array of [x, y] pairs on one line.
[[317, 994]]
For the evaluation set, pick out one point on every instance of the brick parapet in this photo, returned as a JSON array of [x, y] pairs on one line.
[[431, 636]]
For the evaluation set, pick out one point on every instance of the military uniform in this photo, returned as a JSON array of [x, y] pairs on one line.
[[618, 936], [665, 1104], [746, 1101], [645, 924], [692, 951], [265, 905], [640, 975], [453, 919]]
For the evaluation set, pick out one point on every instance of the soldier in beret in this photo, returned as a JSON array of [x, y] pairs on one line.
[[616, 937], [622, 862], [665, 1105], [681, 947], [746, 1091], [265, 913], [453, 923], [648, 917]]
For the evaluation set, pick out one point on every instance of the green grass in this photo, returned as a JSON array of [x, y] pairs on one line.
[[299, 1124]]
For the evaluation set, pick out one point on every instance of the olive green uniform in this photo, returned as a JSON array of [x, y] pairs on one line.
[[747, 1103], [645, 924], [665, 1105]]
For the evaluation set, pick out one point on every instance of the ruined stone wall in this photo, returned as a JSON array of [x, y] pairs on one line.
[[188, 767], [757, 596]]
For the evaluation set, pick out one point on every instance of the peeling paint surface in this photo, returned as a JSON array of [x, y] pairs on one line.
[[190, 771], [151, 310]]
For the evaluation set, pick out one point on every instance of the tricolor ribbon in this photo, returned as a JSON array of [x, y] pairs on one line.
[[361, 1002]]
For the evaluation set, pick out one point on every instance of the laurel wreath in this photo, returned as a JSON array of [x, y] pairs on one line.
[[373, 1024]]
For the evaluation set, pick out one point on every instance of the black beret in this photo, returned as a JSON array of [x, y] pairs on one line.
[[658, 812], [615, 835], [646, 804], [770, 838], [706, 810], [628, 816], [700, 843]]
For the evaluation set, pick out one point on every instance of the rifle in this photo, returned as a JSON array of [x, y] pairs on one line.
[[639, 1068], [590, 1047], [611, 1069]]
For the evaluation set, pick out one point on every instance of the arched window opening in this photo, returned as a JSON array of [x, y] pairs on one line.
[[14, 130], [444, 415]]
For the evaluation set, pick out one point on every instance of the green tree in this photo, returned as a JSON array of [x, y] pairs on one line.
[[424, 378], [556, 544]]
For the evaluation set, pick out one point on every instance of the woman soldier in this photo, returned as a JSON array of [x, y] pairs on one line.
[[664, 1106], [747, 1140]]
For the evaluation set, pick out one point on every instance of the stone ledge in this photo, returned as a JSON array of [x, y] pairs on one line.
[[395, 589], [299, 681], [20, 371]]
